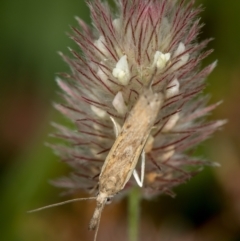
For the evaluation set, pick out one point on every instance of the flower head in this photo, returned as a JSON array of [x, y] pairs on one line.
[[146, 42]]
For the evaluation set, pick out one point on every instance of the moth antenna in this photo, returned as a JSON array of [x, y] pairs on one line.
[[59, 204]]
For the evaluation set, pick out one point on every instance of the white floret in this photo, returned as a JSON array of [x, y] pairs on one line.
[[99, 112], [121, 71], [171, 122], [101, 45], [119, 103], [182, 59], [172, 89], [161, 59]]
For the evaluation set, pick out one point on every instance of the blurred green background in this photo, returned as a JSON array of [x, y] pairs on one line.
[[206, 208]]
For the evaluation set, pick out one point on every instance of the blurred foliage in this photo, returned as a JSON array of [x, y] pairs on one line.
[[206, 208]]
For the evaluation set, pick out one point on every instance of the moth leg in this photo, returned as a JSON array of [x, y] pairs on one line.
[[116, 126], [135, 174]]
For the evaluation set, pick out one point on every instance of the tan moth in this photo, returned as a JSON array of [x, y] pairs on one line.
[[123, 157]]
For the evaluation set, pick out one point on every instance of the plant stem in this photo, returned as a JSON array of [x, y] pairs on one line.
[[133, 214]]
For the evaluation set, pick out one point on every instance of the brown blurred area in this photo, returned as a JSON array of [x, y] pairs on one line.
[[207, 208]]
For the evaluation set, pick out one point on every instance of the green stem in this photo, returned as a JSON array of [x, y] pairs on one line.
[[133, 214]]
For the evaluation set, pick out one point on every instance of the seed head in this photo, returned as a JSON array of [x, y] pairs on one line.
[[144, 42]]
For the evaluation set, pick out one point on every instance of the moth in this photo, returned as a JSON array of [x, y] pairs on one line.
[[123, 157]]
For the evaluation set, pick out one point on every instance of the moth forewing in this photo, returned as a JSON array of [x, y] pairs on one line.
[[126, 150]]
